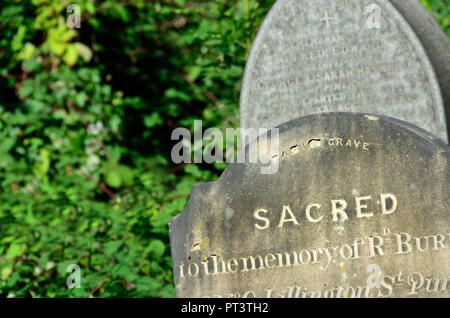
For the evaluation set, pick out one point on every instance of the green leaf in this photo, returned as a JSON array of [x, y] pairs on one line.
[[153, 120], [13, 280], [62, 266], [15, 250], [168, 291], [156, 248], [57, 47], [81, 98], [126, 174], [90, 7], [121, 270], [41, 168], [111, 247], [7, 144], [26, 89], [193, 170], [27, 51], [177, 94], [194, 72], [112, 177], [84, 51], [31, 65], [148, 285], [71, 55], [6, 272], [16, 42], [29, 218], [426, 4], [114, 154]]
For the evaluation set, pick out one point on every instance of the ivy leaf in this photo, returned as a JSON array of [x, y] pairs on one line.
[[111, 247], [15, 250], [57, 47], [148, 285], [114, 154], [26, 89], [84, 51], [121, 270], [194, 171], [194, 72], [117, 175], [426, 4], [112, 178], [6, 272], [27, 51], [63, 266], [41, 168], [16, 42], [126, 174], [71, 55], [156, 248], [153, 120], [81, 98]]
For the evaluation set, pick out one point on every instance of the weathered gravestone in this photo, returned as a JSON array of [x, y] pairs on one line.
[[314, 56], [435, 42], [358, 208]]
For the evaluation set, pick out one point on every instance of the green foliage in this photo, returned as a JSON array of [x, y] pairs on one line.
[[86, 117]]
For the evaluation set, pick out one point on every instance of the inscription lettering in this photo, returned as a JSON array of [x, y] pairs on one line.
[[324, 257], [415, 283], [339, 211]]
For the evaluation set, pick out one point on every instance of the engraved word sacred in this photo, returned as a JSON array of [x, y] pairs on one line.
[[314, 214]]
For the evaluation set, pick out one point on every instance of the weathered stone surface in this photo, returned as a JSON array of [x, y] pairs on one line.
[[434, 41], [377, 194], [314, 56]]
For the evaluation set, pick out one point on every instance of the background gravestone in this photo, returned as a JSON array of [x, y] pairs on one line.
[[358, 201], [314, 56]]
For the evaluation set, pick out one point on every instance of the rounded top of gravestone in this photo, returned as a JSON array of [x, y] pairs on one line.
[[357, 207], [351, 55]]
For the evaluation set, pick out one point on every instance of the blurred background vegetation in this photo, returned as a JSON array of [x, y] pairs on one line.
[[86, 117]]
